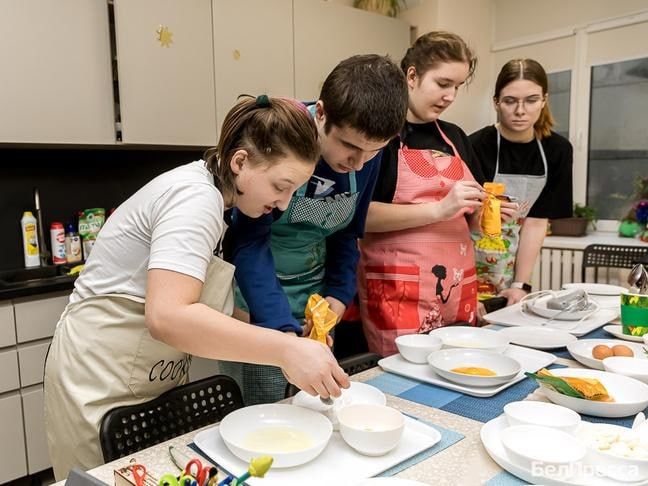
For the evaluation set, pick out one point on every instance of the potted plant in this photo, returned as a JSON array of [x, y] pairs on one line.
[[583, 216]]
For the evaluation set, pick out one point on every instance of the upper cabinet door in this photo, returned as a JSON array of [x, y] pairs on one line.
[[56, 78], [166, 72], [327, 33], [253, 50]]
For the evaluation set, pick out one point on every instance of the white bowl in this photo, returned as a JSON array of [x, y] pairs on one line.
[[535, 447], [444, 361], [545, 414], [372, 430], [357, 393], [626, 366], [417, 347], [471, 338], [291, 435], [609, 464], [630, 395]]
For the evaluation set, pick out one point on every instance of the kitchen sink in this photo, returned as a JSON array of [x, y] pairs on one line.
[[10, 278]]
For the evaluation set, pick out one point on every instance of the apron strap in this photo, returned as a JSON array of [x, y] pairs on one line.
[[446, 139]]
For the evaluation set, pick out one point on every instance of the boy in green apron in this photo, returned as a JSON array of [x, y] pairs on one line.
[[310, 246]]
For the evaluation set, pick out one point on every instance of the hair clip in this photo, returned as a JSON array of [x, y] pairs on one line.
[[262, 101]]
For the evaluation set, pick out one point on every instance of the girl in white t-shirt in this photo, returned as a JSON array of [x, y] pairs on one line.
[[152, 293]]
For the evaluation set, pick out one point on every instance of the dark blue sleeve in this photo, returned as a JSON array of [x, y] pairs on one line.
[[342, 252], [255, 273]]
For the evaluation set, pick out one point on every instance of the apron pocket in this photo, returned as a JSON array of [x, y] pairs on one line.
[[393, 296]]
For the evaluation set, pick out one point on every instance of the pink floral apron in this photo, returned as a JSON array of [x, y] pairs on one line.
[[418, 279]]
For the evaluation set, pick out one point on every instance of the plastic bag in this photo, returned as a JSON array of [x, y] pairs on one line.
[[323, 319]]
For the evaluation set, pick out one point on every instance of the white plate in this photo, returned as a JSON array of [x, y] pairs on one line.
[[581, 351], [389, 482], [539, 306], [630, 395], [595, 288], [357, 393], [470, 337], [585, 475], [538, 337], [617, 331], [338, 464], [529, 359], [513, 316]]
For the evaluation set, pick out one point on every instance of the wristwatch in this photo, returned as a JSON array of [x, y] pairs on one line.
[[522, 285]]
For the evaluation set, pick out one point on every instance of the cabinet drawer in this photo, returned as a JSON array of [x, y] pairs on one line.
[[31, 359], [35, 434], [13, 462], [7, 324], [37, 318], [9, 375]]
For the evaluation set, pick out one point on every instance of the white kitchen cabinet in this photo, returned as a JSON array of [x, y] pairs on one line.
[[166, 72], [36, 317], [325, 33], [13, 462], [31, 362], [7, 324], [33, 403], [9, 366], [56, 74], [256, 59]]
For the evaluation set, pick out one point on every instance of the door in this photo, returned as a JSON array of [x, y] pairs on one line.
[[166, 72]]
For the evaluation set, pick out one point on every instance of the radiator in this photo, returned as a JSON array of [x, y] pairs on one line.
[[557, 266]]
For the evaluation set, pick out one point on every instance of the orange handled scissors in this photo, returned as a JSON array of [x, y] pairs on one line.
[[139, 474]]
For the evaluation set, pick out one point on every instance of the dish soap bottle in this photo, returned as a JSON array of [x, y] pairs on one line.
[[72, 244], [30, 239]]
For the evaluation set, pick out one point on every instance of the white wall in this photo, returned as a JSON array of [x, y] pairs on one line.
[[472, 109]]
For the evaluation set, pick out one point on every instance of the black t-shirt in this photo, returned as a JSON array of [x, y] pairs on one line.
[[423, 136], [555, 200]]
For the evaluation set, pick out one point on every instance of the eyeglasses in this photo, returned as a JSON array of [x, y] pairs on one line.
[[531, 103]]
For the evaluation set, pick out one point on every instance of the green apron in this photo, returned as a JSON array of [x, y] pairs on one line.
[[298, 244]]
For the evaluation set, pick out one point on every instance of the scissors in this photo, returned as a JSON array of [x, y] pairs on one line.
[[139, 474], [203, 473]]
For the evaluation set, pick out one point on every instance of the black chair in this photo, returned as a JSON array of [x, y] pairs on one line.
[[351, 365], [125, 430], [611, 256]]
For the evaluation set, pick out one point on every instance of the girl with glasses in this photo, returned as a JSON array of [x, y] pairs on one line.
[[535, 163]]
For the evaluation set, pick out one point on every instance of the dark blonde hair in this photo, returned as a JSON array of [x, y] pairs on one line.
[[268, 129], [533, 71], [438, 47]]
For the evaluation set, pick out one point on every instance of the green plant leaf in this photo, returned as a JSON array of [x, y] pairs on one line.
[[557, 384]]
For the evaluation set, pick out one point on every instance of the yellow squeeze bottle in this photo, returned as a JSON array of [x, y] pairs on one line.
[[30, 240]]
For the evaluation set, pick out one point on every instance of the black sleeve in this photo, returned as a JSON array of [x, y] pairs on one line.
[[472, 159], [482, 142], [386, 183], [556, 199]]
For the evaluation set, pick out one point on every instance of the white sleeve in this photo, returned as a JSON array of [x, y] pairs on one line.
[[186, 225]]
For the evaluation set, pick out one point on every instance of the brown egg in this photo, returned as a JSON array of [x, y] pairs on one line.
[[622, 350], [602, 351]]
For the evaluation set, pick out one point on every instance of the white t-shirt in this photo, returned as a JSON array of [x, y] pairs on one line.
[[174, 223]]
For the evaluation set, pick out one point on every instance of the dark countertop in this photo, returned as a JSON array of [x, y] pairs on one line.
[[34, 281]]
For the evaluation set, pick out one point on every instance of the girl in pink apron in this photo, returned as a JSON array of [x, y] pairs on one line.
[[417, 267], [535, 163]]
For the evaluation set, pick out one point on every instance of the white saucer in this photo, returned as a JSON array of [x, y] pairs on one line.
[[581, 351], [538, 337], [617, 331], [596, 288], [490, 437]]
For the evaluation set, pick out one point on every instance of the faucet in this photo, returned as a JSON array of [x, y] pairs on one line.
[[42, 245]]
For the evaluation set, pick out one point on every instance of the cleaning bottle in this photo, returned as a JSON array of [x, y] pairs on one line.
[[72, 244], [30, 239]]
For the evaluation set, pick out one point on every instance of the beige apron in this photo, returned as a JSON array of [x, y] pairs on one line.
[[102, 357]]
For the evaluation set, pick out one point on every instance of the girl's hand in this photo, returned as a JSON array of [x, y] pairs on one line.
[[464, 197], [510, 211], [513, 296], [310, 366]]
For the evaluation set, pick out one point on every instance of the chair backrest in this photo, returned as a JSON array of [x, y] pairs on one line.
[[351, 365], [125, 430], [611, 256]]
